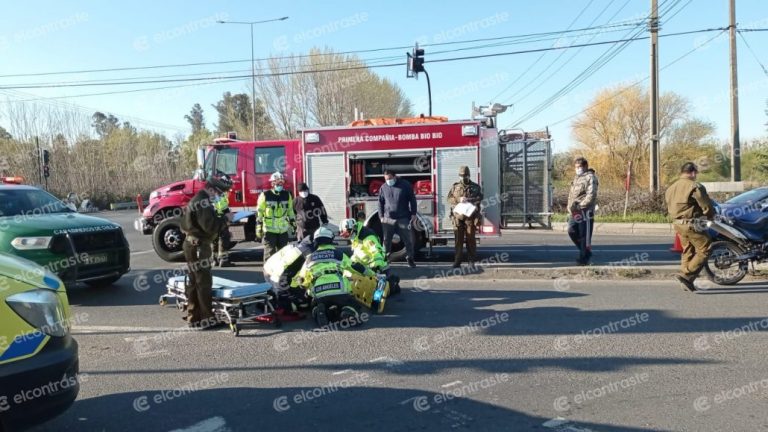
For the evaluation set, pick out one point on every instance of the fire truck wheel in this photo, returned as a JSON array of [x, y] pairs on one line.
[[167, 240]]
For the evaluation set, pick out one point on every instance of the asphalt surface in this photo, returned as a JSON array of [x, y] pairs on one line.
[[447, 354]]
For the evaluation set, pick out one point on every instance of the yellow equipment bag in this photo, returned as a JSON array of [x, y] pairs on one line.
[[364, 289]]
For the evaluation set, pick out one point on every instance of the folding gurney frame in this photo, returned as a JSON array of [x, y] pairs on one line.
[[235, 303]]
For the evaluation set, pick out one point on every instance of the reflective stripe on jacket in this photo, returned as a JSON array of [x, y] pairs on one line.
[[275, 211]]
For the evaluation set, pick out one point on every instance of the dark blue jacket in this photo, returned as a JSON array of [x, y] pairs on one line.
[[398, 201]]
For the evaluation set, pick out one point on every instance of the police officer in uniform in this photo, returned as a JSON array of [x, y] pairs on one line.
[[202, 224], [277, 220], [465, 227], [689, 207]]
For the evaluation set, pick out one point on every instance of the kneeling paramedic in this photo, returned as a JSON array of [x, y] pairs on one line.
[[368, 251], [322, 275], [202, 224], [281, 268]]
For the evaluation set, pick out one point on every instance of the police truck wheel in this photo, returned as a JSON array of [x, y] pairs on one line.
[[167, 240], [103, 283]]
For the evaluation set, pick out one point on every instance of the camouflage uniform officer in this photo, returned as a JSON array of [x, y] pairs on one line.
[[465, 227], [689, 205], [201, 224]]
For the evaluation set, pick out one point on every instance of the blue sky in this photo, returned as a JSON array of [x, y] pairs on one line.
[[48, 36]]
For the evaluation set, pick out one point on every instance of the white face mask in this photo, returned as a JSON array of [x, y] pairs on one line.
[[579, 171], [304, 194], [391, 182]]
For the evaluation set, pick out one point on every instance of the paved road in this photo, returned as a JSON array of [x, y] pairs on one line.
[[562, 355], [600, 355], [523, 247]]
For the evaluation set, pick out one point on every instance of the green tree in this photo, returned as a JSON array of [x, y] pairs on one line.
[[4, 134], [104, 124], [235, 114], [196, 118]]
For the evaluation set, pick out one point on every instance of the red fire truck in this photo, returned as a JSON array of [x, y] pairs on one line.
[[344, 166]]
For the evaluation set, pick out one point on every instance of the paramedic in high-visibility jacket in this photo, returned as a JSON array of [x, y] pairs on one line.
[[368, 251], [276, 218], [322, 275]]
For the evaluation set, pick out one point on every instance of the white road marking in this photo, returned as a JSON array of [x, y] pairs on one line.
[[555, 422], [342, 372], [311, 359], [142, 252], [451, 384], [214, 424], [563, 425], [127, 329]]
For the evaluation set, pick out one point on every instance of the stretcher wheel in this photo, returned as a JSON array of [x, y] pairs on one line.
[[162, 301]]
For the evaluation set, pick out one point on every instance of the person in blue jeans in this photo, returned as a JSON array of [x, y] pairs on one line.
[[397, 211]]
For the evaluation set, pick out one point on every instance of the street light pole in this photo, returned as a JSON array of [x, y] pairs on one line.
[[253, 66], [253, 89]]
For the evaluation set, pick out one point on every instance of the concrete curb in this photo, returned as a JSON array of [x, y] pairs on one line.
[[446, 272], [625, 228]]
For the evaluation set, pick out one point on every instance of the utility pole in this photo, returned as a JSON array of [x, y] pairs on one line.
[[253, 66], [735, 145], [653, 26]]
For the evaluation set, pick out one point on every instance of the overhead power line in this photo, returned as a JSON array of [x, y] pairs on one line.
[[130, 68], [399, 64], [638, 82]]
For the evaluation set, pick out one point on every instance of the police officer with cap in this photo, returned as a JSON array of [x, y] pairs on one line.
[[202, 224], [689, 208], [465, 227]]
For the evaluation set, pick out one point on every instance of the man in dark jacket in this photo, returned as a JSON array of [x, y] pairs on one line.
[[310, 212], [202, 224], [397, 211]]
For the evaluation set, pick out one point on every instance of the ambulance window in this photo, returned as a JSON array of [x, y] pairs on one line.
[[226, 161], [269, 159]]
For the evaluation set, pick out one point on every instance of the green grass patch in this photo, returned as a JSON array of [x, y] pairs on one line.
[[631, 217]]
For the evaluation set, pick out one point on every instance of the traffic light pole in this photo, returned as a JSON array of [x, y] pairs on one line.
[[429, 92], [39, 161]]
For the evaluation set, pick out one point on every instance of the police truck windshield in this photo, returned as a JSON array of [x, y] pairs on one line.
[[29, 202]]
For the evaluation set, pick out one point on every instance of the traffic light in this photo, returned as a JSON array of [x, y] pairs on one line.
[[415, 62], [46, 159]]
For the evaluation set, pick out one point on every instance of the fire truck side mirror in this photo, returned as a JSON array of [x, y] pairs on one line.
[[200, 158]]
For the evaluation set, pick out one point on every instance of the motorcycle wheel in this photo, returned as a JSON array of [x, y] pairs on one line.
[[720, 267]]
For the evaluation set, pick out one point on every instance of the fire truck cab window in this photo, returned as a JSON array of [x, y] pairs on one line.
[[269, 159], [222, 160]]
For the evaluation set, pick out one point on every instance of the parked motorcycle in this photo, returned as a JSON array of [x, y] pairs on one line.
[[740, 239]]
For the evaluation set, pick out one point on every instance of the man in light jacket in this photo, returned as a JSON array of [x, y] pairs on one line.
[[581, 207]]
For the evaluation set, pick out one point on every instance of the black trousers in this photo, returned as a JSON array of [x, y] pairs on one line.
[[580, 227], [274, 242]]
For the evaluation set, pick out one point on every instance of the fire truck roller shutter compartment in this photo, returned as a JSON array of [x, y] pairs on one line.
[[449, 160], [490, 173], [326, 179]]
